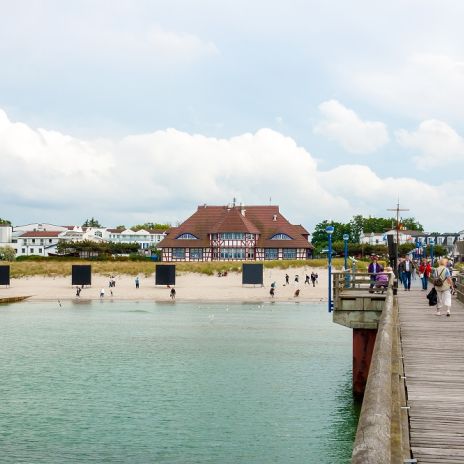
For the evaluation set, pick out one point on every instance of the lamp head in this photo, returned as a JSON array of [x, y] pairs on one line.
[[329, 230], [346, 237]]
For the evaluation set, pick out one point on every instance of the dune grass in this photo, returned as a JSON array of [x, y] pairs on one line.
[[53, 268]]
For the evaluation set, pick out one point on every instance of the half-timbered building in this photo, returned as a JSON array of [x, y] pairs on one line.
[[236, 233]]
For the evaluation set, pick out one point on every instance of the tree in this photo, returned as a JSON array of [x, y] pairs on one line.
[[411, 224], [7, 253], [121, 227], [5, 222], [319, 236], [151, 226], [91, 223]]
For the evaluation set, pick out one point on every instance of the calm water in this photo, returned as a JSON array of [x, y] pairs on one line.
[[174, 383]]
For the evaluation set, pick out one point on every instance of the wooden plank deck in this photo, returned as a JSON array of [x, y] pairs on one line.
[[433, 350]]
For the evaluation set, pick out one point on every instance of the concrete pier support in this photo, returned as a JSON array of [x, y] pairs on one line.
[[363, 347]]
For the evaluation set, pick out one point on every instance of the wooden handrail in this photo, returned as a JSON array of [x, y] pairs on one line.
[[373, 437]]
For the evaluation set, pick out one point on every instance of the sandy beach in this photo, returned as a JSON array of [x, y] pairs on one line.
[[189, 287]]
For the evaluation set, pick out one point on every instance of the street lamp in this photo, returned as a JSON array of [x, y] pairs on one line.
[[346, 237], [432, 244], [329, 231]]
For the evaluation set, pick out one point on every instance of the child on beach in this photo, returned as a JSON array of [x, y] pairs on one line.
[[172, 294]]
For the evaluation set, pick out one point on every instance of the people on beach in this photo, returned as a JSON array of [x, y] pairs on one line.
[[78, 291], [307, 279], [172, 293], [313, 278], [297, 293], [272, 292], [443, 284], [424, 272], [102, 293], [297, 278], [287, 279], [137, 282]]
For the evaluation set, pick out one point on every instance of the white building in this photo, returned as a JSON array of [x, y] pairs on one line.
[[145, 238], [37, 243]]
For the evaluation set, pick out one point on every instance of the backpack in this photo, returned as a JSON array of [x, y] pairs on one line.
[[437, 282]]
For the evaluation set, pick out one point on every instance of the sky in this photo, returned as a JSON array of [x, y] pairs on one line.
[[136, 111]]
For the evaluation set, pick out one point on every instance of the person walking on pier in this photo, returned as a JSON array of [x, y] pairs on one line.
[[405, 268], [443, 284], [374, 268], [424, 272]]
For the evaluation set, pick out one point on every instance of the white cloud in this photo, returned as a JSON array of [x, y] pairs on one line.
[[421, 85], [351, 132], [165, 175], [437, 142]]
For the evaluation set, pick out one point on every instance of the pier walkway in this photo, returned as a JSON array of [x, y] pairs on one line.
[[433, 351]]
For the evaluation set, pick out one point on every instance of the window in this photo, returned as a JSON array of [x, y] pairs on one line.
[[281, 237], [23, 250], [178, 253], [271, 253], [33, 240], [32, 250], [232, 236], [187, 236], [289, 253], [196, 253], [98, 233], [40, 250], [49, 240], [232, 253]]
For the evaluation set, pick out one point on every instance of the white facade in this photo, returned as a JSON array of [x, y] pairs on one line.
[[144, 238], [6, 235], [36, 243]]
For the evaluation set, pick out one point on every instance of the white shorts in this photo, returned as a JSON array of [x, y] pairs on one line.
[[444, 298]]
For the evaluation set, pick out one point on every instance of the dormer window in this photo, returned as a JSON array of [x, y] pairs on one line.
[[281, 237], [187, 236]]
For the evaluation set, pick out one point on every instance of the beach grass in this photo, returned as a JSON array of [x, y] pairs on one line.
[[54, 268]]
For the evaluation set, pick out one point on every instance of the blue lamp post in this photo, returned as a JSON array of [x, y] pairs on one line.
[[432, 244], [346, 237], [330, 230]]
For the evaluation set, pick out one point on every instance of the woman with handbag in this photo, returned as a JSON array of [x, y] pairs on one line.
[[424, 272], [443, 283]]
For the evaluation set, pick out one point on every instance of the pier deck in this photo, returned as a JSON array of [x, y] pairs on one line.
[[433, 350]]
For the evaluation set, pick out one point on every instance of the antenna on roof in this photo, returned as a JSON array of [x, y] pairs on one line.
[[270, 201], [233, 202]]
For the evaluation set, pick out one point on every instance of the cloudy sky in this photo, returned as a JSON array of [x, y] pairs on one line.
[[134, 111]]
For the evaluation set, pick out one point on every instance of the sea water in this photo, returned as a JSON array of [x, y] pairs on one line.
[[103, 382]]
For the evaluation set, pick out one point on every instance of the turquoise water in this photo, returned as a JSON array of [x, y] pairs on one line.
[[174, 383]]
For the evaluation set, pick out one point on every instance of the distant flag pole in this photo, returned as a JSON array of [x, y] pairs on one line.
[[397, 209]]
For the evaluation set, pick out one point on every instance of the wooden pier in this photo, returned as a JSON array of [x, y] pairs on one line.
[[433, 357]]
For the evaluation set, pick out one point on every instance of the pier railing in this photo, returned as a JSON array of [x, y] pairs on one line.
[[383, 436], [460, 287], [357, 300]]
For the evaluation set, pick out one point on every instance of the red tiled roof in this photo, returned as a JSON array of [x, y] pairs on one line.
[[42, 233], [263, 220]]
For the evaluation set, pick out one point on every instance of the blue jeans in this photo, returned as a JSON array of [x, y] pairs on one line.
[[424, 282], [407, 280]]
